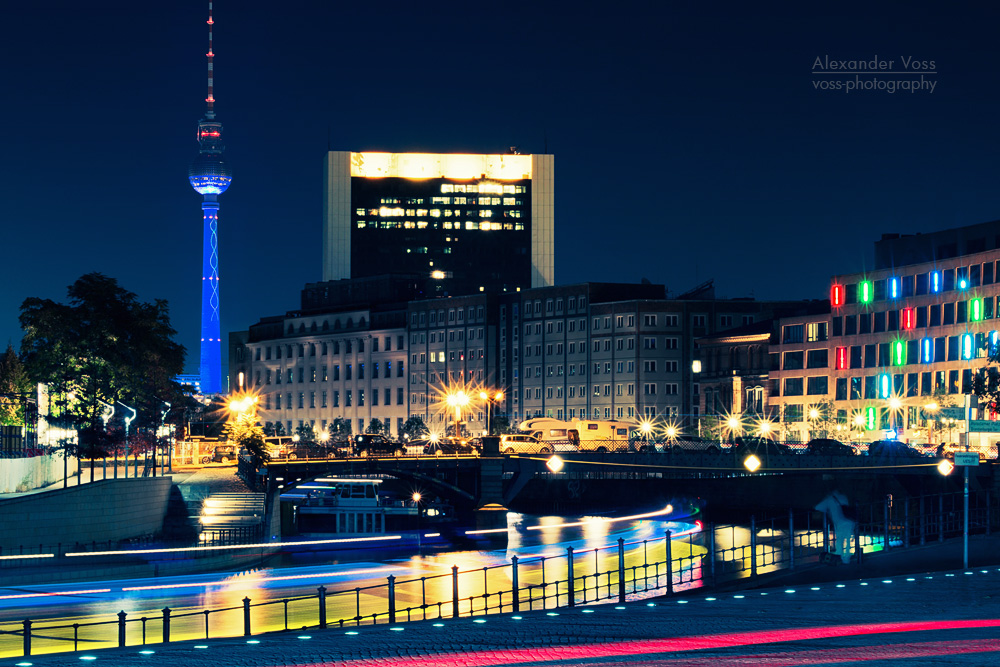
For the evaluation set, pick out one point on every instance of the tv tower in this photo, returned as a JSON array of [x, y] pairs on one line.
[[209, 175]]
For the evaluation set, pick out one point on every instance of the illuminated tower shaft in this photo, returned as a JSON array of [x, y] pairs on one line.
[[209, 175], [210, 369]]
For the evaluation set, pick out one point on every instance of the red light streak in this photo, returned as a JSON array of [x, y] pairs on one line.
[[705, 642]]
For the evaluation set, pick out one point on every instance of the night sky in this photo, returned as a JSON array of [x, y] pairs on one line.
[[690, 140]]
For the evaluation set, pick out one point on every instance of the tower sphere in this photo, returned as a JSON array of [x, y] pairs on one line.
[[209, 174]]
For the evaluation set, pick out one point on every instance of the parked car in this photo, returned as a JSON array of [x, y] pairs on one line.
[[760, 447], [376, 444], [692, 444], [523, 444], [450, 445], [829, 447], [892, 448], [222, 454]]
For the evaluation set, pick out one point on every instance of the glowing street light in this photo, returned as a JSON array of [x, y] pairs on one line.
[[490, 400], [752, 463], [458, 400], [555, 463]]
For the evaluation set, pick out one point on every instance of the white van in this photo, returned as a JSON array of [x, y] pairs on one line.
[[580, 435]]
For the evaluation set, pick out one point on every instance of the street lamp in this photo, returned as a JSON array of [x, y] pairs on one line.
[[458, 400], [495, 398], [646, 426], [416, 501]]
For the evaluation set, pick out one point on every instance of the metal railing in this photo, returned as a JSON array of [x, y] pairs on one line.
[[710, 557]]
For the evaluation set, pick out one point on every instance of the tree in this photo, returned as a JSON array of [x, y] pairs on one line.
[[414, 427], [375, 426], [14, 388], [103, 347], [246, 433], [502, 424], [341, 428], [306, 433]]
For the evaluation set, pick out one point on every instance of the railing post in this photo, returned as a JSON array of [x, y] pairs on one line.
[[166, 625], [885, 520], [826, 534], [514, 589], [621, 570], [791, 539], [121, 628], [711, 551], [857, 535], [669, 555], [27, 637], [753, 549], [923, 523], [570, 581], [322, 606], [246, 617], [906, 524], [392, 598], [987, 514], [941, 518], [454, 591]]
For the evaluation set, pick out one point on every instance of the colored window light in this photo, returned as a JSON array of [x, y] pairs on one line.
[[841, 358], [994, 337], [894, 288], [935, 281], [907, 318], [899, 353], [927, 351], [963, 284], [837, 295], [884, 385], [870, 418], [976, 310], [865, 291], [968, 347]]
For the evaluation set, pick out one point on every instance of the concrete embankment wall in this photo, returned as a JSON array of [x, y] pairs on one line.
[[20, 475], [102, 511]]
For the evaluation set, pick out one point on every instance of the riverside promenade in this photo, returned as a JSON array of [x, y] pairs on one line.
[[905, 608]]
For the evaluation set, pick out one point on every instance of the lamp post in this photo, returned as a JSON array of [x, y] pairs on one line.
[[458, 400], [495, 398], [416, 502]]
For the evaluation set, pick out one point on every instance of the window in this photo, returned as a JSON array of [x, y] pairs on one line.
[[649, 320], [649, 389], [817, 359], [792, 333], [649, 366], [793, 386], [816, 386], [792, 361]]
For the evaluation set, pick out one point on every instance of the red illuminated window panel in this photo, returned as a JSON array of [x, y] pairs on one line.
[[841, 358], [837, 295], [906, 318]]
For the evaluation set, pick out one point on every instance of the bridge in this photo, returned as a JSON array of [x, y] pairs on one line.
[[503, 479]]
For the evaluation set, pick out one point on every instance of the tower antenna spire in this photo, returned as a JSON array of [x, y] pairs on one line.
[[210, 100]]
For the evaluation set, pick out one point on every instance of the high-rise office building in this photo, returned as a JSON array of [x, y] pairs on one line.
[[470, 223]]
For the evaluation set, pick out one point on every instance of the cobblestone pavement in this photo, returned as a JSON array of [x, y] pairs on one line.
[[931, 618]]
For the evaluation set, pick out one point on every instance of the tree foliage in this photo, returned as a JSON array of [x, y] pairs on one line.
[[102, 347], [375, 426], [414, 427], [245, 432], [14, 387]]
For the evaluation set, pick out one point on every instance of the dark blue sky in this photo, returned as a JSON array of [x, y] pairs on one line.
[[690, 141]]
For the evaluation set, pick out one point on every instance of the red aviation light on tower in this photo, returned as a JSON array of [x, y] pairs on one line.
[[837, 296]]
